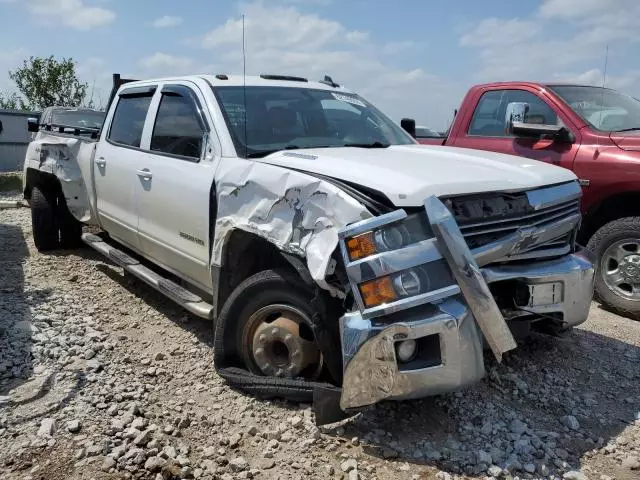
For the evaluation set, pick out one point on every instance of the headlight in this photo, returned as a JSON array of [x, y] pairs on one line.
[[412, 229], [391, 238], [407, 283], [388, 289]]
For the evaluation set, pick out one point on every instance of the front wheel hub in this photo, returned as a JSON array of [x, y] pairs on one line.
[[279, 350]]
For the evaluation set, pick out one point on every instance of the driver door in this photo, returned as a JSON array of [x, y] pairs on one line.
[[486, 128]]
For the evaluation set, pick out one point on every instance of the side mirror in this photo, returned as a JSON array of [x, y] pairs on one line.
[[32, 124], [518, 123], [409, 125]]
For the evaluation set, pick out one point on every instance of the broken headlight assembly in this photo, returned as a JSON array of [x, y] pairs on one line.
[[393, 260]]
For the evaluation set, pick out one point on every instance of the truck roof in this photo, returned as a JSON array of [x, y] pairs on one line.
[[526, 83], [251, 80]]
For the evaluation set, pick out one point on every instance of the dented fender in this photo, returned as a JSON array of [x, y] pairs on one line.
[[298, 213], [69, 160]]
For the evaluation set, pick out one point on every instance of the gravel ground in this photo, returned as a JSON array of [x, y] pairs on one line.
[[101, 377]]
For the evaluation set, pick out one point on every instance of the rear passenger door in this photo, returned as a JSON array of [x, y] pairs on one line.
[[176, 205], [117, 159]]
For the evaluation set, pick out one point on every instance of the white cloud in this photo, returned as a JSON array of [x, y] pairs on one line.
[[167, 21], [9, 61], [282, 39], [166, 64], [71, 13], [560, 36]]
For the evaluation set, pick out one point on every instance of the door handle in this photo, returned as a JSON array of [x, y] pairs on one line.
[[101, 162], [146, 174]]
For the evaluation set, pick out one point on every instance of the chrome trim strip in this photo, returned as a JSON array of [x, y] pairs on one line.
[[371, 223], [467, 273], [570, 205], [386, 263], [523, 240], [551, 216], [550, 196]]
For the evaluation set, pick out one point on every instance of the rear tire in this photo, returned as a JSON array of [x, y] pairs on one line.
[[43, 220], [70, 228], [617, 249]]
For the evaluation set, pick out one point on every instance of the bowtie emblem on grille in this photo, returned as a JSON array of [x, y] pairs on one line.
[[526, 237]]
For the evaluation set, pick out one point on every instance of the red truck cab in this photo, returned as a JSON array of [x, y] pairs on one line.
[[593, 131]]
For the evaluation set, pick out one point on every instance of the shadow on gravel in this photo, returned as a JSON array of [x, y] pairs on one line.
[[591, 377], [16, 365], [202, 329], [23, 385]]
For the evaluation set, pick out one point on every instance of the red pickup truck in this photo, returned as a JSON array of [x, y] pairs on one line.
[[593, 131]]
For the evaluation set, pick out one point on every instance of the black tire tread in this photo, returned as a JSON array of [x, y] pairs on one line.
[[263, 387], [43, 220], [70, 227], [597, 245]]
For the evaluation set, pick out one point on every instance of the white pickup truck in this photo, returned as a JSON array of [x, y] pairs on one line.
[[328, 247]]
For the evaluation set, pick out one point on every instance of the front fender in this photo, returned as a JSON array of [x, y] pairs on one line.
[[298, 213]]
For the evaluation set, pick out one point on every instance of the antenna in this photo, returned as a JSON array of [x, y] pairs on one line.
[[604, 81], [93, 87], [244, 90]]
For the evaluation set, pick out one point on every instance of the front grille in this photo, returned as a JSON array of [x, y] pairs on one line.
[[484, 220]]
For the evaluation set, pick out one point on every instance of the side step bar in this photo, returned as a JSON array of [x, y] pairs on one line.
[[186, 299]]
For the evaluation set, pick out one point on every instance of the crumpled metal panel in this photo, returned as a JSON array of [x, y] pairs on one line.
[[298, 213], [62, 157]]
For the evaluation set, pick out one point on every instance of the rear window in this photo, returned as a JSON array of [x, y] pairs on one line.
[[128, 120]]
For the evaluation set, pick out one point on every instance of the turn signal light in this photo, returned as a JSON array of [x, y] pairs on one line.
[[378, 291], [361, 246]]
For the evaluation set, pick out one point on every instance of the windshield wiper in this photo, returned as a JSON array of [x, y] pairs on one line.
[[368, 145], [627, 129]]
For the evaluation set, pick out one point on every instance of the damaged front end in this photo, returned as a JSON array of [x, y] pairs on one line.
[[425, 288]]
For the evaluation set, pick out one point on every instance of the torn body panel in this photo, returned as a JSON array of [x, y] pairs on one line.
[[298, 213], [68, 158]]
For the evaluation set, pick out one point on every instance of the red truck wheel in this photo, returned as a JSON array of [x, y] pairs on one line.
[[617, 249]]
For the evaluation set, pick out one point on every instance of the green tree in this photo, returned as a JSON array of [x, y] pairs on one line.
[[12, 102], [46, 82]]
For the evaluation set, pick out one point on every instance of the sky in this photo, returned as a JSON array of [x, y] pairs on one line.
[[411, 58]]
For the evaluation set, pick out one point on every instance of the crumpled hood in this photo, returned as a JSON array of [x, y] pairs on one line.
[[627, 141], [407, 174]]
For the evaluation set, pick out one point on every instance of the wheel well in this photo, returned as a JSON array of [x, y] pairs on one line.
[[612, 208], [43, 180], [247, 254]]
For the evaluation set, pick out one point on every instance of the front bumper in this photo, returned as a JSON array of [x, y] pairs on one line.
[[454, 320], [372, 372]]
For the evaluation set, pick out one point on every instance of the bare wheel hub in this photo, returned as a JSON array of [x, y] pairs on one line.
[[279, 350]]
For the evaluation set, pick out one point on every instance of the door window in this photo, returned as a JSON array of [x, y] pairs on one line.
[[489, 117], [128, 120], [178, 129]]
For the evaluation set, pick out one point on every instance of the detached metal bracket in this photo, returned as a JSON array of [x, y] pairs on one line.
[[454, 249]]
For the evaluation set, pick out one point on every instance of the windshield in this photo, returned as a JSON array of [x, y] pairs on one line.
[[604, 109], [78, 118], [423, 132], [279, 118]]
